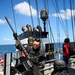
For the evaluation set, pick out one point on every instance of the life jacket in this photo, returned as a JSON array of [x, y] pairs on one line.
[[66, 50]]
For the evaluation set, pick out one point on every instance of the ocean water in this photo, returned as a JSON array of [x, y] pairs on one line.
[[7, 48], [11, 48]]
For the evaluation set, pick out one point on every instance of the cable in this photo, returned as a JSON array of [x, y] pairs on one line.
[[14, 16]]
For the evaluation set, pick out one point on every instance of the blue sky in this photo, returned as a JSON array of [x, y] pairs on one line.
[[22, 17]]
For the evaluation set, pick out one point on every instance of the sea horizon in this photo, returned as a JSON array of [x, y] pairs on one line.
[[11, 48]]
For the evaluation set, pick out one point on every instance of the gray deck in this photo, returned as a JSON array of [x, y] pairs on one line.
[[49, 69]]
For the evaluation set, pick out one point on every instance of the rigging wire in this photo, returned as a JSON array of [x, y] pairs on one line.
[[57, 10], [31, 13], [66, 23], [58, 26], [48, 22], [44, 3], [73, 12], [51, 31], [58, 31], [32, 16], [38, 17], [33, 34], [72, 19], [60, 20], [14, 16], [51, 35], [37, 13]]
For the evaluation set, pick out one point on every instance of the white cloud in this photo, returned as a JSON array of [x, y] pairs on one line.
[[23, 8], [7, 39], [2, 21], [65, 14]]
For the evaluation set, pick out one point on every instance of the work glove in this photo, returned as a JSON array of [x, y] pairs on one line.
[[15, 35]]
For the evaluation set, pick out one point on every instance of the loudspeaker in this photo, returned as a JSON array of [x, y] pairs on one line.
[[49, 47]]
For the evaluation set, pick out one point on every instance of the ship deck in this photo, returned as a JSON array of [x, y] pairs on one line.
[[49, 68], [70, 71]]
